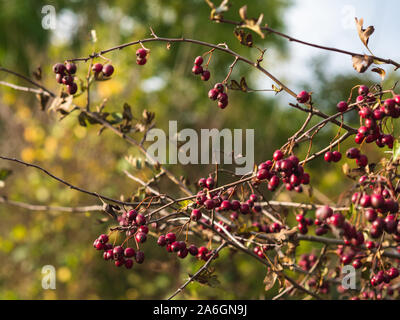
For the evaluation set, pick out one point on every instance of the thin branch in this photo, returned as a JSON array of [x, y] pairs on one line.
[[35, 207], [204, 267]]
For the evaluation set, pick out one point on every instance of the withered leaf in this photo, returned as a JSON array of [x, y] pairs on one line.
[[252, 24], [270, 280], [38, 73], [109, 210], [364, 34], [244, 38], [82, 119], [148, 116], [216, 12], [43, 100], [206, 277], [242, 86], [379, 71], [127, 114], [62, 104], [361, 63]]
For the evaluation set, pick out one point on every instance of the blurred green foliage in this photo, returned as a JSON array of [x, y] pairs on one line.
[[165, 85]]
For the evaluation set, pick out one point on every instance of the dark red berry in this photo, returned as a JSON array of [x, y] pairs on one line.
[[195, 215], [139, 257], [363, 90], [198, 61], [72, 88], [108, 70], [141, 53], [129, 252], [342, 106], [303, 97], [205, 75], [97, 67], [59, 68], [328, 157], [141, 61], [197, 69], [219, 87]]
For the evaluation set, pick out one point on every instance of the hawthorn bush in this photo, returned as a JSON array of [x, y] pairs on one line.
[[241, 214]]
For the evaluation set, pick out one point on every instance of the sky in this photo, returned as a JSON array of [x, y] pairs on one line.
[[331, 23], [324, 22]]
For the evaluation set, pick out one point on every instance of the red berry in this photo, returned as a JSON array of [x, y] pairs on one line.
[[162, 241], [71, 67], [278, 155], [195, 215], [336, 156], [303, 97], [67, 79], [363, 90], [140, 219], [129, 252], [108, 70], [197, 69], [342, 106], [128, 263], [141, 61], [210, 183], [141, 53], [140, 237], [72, 88], [193, 250], [97, 67], [213, 94], [323, 213], [353, 153], [362, 161], [219, 87], [170, 237], [139, 257], [328, 156], [59, 68], [205, 75], [198, 61]]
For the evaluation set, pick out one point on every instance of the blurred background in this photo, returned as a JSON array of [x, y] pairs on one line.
[[165, 85]]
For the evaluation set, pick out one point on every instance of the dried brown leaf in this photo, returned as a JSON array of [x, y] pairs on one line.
[[364, 34], [361, 63], [270, 280], [244, 38], [252, 24], [379, 71]]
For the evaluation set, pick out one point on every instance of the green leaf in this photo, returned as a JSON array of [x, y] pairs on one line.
[[396, 150], [185, 203], [4, 174]]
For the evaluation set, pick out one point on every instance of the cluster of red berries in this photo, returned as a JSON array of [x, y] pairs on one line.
[[361, 159], [120, 256], [106, 70], [221, 203], [385, 277], [372, 115], [288, 170], [332, 156], [377, 203], [172, 245], [306, 261], [303, 223], [65, 75], [261, 251], [198, 69], [217, 93], [268, 228], [141, 56]]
